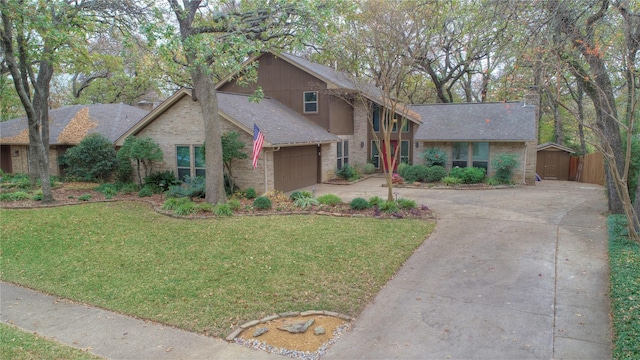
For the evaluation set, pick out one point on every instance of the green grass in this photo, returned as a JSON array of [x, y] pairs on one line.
[[624, 266], [17, 345], [203, 275]]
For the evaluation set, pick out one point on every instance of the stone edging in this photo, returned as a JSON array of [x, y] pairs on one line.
[[249, 324]]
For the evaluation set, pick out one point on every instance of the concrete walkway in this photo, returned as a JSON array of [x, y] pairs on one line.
[[508, 274]]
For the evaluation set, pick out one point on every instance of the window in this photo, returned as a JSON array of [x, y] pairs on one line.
[[376, 118], [343, 154], [310, 102], [190, 161], [404, 151], [405, 126], [375, 155], [460, 154], [479, 155]]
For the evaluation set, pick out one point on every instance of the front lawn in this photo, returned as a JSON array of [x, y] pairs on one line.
[[16, 344], [624, 265], [207, 275]]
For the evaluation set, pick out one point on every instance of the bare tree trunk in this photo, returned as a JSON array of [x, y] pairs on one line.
[[206, 96]]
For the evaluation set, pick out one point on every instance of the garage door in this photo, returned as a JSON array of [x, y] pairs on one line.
[[295, 167]]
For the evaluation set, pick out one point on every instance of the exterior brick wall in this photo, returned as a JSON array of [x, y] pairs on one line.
[[359, 154], [526, 150]]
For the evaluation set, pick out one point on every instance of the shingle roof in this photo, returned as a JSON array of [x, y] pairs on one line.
[[70, 124], [279, 124], [510, 121]]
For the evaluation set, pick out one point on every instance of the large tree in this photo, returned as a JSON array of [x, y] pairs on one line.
[[216, 37], [580, 34], [36, 37]]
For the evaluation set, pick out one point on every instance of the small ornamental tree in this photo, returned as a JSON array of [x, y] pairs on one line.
[[94, 158], [232, 148], [504, 164], [144, 151]]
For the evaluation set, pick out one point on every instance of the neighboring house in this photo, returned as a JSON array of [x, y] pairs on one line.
[[67, 127], [553, 161], [473, 133]]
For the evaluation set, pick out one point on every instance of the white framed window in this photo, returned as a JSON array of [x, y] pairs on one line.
[[375, 154], [310, 99], [404, 151], [342, 154], [190, 161]]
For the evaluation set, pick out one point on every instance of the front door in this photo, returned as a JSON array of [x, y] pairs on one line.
[[394, 144]]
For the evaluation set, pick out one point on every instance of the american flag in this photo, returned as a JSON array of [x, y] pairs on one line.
[[258, 140]]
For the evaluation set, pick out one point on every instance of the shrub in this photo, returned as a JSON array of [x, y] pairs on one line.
[[468, 175], [127, 188], [186, 208], [277, 195], [108, 190], [434, 156], [415, 173], [348, 172], [176, 191], [451, 180], [173, 203], [295, 195], [84, 197], [94, 158], [194, 187], [229, 186], [234, 204], [250, 193], [402, 169], [124, 171], [222, 210], [388, 207], [146, 191], [15, 196], [359, 204], [375, 200], [37, 195], [262, 203], [397, 179], [18, 181], [504, 164], [436, 173], [160, 181], [305, 202], [406, 203], [369, 168], [143, 151], [329, 199]]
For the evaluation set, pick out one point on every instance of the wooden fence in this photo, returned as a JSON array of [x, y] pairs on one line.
[[591, 170]]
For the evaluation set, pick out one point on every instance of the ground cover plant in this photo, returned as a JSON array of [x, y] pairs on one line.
[[205, 275], [624, 267], [17, 344]]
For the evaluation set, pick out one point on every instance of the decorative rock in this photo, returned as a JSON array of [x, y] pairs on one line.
[[312, 312], [344, 317], [269, 318], [249, 324], [260, 331], [234, 334], [331, 313], [319, 330], [297, 328]]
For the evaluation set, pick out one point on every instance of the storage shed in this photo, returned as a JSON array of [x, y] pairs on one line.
[[553, 161]]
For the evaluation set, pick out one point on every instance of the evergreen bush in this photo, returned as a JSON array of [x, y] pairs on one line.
[[504, 164], [262, 203]]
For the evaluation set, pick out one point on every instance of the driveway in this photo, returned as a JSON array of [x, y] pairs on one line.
[[516, 273]]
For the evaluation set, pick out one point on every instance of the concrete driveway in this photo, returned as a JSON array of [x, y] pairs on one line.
[[516, 273]]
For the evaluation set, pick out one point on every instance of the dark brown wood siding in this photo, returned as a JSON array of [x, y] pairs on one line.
[[341, 116], [553, 164], [295, 167], [287, 84], [5, 159]]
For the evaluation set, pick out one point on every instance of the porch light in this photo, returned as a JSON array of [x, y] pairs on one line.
[[361, 144]]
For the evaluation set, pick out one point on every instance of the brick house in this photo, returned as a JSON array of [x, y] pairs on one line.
[[68, 125]]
